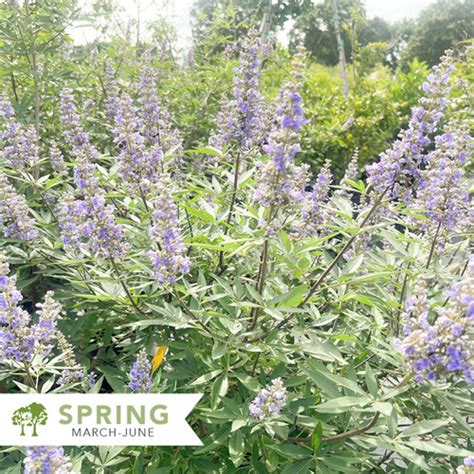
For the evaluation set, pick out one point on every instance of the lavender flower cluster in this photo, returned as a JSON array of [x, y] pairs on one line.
[[57, 161], [139, 167], [21, 341], [443, 348], [73, 131], [442, 194], [46, 460], [399, 167], [89, 225], [241, 121], [112, 98], [18, 145], [269, 401], [143, 135], [155, 120], [73, 372], [169, 257], [467, 467], [14, 213], [87, 222], [350, 174], [140, 378], [314, 214], [279, 181]]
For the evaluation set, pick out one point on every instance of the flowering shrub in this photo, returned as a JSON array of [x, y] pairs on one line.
[[329, 324]]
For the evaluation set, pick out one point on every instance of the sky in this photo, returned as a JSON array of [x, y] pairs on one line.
[[393, 10], [178, 13]]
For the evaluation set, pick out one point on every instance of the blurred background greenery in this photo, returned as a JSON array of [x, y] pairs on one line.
[[46, 46]]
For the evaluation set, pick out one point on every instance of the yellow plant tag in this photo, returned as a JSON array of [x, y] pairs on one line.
[[160, 354]]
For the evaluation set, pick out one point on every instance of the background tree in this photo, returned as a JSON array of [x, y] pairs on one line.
[[439, 27], [315, 28], [228, 20], [376, 30], [32, 34]]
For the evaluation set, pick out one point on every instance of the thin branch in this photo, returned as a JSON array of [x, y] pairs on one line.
[[260, 283], [184, 307], [341, 436], [15, 92], [125, 288], [402, 297], [326, 272], [357, 432], [231, 207], [254, 367]]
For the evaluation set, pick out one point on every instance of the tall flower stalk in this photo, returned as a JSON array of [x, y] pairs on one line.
[[154, 118], [314, 214], [15, 217], [280, 183], [169, 253], [139, 165], [87, 223], [19, 147], [242, 121], [140, 375], [441, 348], [442, 196], [21, 340], [399, 167]]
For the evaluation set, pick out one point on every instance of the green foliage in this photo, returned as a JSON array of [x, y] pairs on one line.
[[368, 120], [351, 408]]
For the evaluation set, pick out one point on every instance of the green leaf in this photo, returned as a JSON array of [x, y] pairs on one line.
[[353, 265], [299, 467], [410, 455], [371, 381], [236, 447], [206, 378], [291, 451], [205, 151], [338, 380], [454, 412], [383, 407], [322, 350], [292, 298], [218, 350], [317, 436], [435, 447], [341, 404], [249, 382], [422, 427], [239, 423], [219, 389]]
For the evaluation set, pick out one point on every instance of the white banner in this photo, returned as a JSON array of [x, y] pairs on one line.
[[97, 419]]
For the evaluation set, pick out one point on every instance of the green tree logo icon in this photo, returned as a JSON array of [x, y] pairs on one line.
[[33, 415]]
